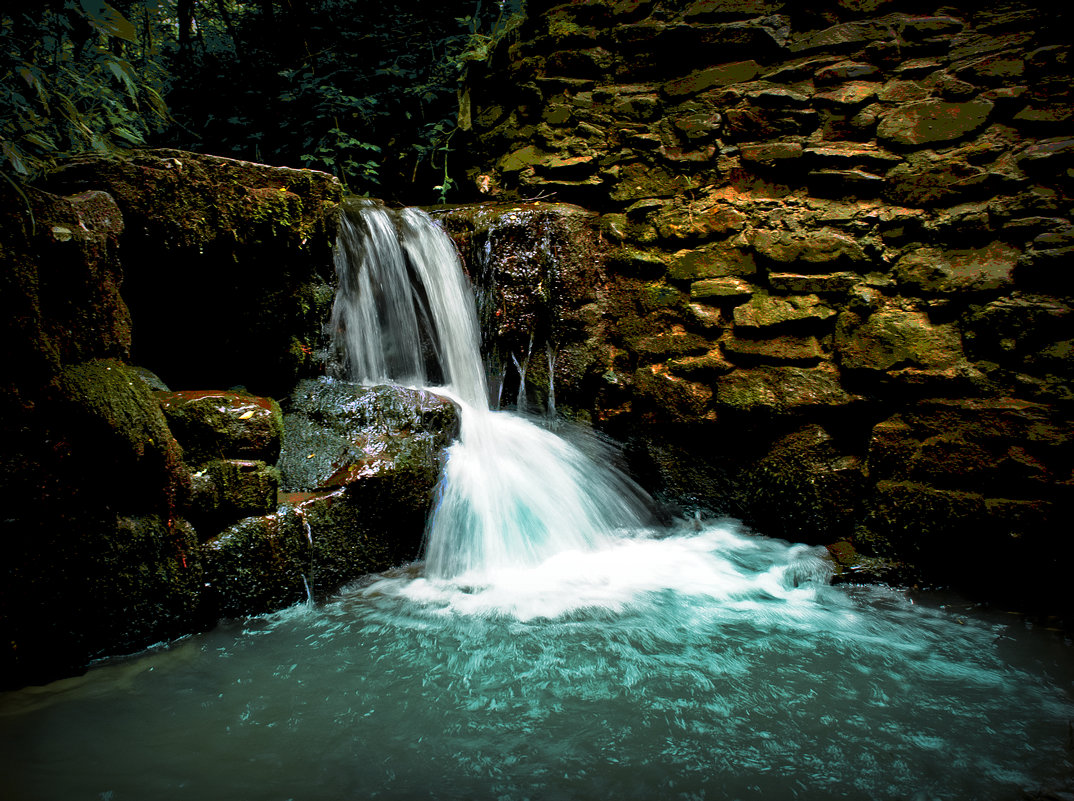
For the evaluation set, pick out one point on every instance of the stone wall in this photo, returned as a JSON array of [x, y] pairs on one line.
[[836, 263]]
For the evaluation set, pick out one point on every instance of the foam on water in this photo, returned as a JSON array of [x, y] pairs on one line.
[[709, 664], [742, 575]]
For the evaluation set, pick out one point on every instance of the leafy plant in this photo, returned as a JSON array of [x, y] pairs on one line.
[[367, 91], [70, 85]]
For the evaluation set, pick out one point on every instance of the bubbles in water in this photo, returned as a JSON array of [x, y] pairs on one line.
[[700, 664], [742, 576]]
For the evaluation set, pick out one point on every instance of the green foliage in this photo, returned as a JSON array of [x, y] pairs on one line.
[[76, 79], [366, 91]]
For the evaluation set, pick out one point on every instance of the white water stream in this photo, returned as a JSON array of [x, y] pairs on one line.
[[513, 494]]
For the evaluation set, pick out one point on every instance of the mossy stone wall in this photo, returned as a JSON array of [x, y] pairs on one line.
[[836, 241]]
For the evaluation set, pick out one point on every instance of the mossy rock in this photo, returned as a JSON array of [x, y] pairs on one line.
[[957, 538], [764, 311], [101, 584], [225, 490], [117, 440], [806, 488], [360, 465], [189, 200], [895, 337], [537, 270], [371, 524], [145, 582], [852, 567], [782, 389], [94, 483], [235, 248], [59, 289], [213, 424], [335, 430], [257, 565]]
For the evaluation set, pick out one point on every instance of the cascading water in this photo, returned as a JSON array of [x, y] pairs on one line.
[[513, 494], [401, 295], [550, 648]]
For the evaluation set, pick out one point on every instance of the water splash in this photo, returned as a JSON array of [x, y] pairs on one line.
[[512, 493]]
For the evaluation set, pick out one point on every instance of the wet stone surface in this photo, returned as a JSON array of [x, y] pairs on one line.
[[212, 424], [336, 432]]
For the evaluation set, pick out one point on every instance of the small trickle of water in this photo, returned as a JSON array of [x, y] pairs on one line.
[[520, 400], [501, 374], [308, 581], [550, 352]]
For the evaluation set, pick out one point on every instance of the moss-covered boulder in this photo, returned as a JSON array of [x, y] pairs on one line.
[[929, 271], [94, 533], [143, 584], [806, 488], [258, 564], [372, 457], [896, 337], [929, 121], [116, 438], [782, 389], [336, 432]]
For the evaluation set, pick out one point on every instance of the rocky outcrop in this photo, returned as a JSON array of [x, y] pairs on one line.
[[535, 268], [107, 507], [97, 557], [812, 222], [230, 442], [227, 264], [129, 534]]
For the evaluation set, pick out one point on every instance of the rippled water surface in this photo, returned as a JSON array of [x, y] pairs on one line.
[[699, 665]]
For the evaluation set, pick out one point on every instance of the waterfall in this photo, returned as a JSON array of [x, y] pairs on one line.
[[403, 304], [512, 494]]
